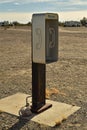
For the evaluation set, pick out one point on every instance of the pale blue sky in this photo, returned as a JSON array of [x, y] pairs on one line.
[[22, 10]]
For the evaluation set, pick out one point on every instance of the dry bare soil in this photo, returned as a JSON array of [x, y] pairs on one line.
[[68, 75]]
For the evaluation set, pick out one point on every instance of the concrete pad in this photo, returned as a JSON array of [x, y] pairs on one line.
[[12, 104], [51, 117]]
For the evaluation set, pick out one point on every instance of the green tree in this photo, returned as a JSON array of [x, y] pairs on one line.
[[83, 21]]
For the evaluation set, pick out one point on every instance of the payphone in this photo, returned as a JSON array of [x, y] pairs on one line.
[[44, 50], [45, 37]]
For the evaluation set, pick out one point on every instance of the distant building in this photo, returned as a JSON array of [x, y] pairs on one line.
[[5, 23], [1, 23], [72, 24]]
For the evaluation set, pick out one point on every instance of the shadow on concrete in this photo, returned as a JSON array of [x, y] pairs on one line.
[[22, 121]]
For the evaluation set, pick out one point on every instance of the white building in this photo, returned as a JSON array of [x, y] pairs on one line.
[[72, 24]]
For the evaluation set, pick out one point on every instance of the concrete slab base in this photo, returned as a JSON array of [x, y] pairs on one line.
[[51, 117]]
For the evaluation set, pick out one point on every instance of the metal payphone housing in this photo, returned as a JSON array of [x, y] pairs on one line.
[[45, 38]]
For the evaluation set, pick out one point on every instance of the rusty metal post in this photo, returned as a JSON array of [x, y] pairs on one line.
[[39, 88]]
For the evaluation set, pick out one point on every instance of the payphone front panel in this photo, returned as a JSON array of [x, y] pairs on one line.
[[38, 38]]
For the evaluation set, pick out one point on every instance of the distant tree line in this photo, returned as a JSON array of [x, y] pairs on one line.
[[14, 23], [82, 22]]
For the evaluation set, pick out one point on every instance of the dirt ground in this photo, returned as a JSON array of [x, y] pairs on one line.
[[68, 75]]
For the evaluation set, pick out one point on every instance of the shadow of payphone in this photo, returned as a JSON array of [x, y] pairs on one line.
[[45, 38], [44, 50]]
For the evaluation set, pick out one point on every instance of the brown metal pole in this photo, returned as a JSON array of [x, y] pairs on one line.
[[38, 85], [38, 88]]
